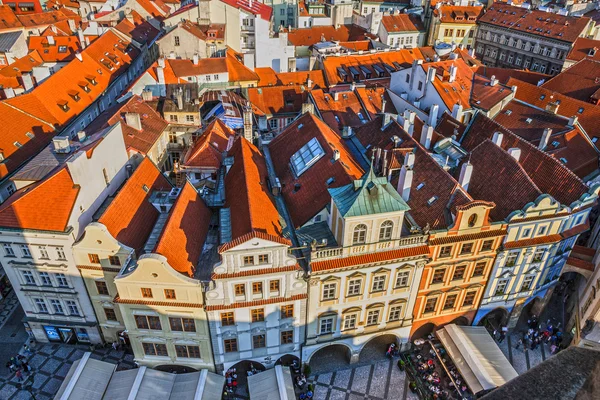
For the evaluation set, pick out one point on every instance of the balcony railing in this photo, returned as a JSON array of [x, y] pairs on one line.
[[414, 240]]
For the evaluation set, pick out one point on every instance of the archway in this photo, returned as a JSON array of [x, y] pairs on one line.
[[175, 369], [376, 347], [423, 331], [330, 358], [239, 372], [495, 319], [287, 359], [462, 321]]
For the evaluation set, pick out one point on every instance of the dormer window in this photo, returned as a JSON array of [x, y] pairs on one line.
[[30, 135], [91, 79], [74, 95], [18, 145], [360, 234], [62, 49], [1, 156], [64, 105], [85, 86]]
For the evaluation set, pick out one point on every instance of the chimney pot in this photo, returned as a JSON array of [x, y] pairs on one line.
[[545, 139], [515, 153], [465, 175], [457, 112], [385, 120], [433, 115], [336, 96], [336, 155], [405, 182], [426, 136], [497, 138]]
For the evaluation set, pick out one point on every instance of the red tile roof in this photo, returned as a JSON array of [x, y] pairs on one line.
[[358, 45], [268, 77], [316, 34], [238, 72], [584, 48], [366, 259], [185, 231], [347, 110], [22, 65], [458, 14], [273, 100], [256, 303], [535, 22], [459, 91], [253, 7], [586, 251], [548, 173], [45, 205], [119, 300], [402, 23], [135, 27], [470, 237], [504, 74], [580, 81], [8, 19], [252, 207], [208, 148], [485, 96], [185, 67], [48, 18], [130, 217], [532, 242], [448, 126], [372, 99], [53, 53], [307, 194], [582, 264], [257, 272]]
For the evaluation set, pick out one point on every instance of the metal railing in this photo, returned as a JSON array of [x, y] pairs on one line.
[[408, 241]]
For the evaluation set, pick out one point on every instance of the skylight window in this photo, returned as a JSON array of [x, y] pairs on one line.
[[420, 186], [308, 154], [17, 144], [542, 97], [563, 160], [580, 111], [594, 139], [29, 135], [555, 143], [432, 200], [529, 120]]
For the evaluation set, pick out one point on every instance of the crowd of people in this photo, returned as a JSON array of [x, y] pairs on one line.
[[18, 364], [538, 334]]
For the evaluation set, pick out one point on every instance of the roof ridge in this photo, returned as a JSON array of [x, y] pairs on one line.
[[31, 115], [169, 220]]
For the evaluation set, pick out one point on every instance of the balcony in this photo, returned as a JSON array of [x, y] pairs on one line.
[[336, 252], [175, 146]]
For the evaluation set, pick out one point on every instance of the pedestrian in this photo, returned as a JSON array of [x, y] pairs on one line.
[[519, 344], [26, 366], [19, 375], [11, 367], [115, 346], [26, 350], [502, 337]]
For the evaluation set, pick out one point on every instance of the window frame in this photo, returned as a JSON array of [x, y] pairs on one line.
[[257, 315]]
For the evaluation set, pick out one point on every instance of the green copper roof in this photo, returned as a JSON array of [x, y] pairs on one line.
[[367, 196]]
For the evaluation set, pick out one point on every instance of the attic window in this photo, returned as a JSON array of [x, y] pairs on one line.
[[528, 120], [91, 79], [432, 200], [580, 111], [1, 156], [420, 185], [18, 144], [555, 143], [145, 188], [594, 139], [508, 112], [29, 135], [330, 181], [542, 97], [308, 154], [563, 160], [64, 105], [85, 86], [62, 49], [74, 95]]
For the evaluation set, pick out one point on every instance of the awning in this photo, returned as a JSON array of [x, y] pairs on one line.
[[477, 356], [272, 384], [87, 379]]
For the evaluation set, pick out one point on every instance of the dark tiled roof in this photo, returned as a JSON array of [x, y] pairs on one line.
[[580, 81]]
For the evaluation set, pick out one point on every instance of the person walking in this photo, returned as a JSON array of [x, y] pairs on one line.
[[519, 344], [19, 375]]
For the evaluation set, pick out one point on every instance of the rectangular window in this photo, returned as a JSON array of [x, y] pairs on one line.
[[173, 118], [61, 280], [354, 287], [60, 253], [511, 259], [45, 279], [182, 324], [147, 322], [378, 284], [349, 321], [459, 272], [287, 311], [329, 291], [466, 248], [450, 301], [114, 260], [240, 289], [102, 288], [527, 282], [187, 351], [274, 286], [146, 293], [155, 349], [308, 154], [230, 345], [25, 250], [94, 259], [28, 277], [189, 118], [41, 306], [487, 245], [72, 307], [177, 41], [395, 313], [430, 305], [227, 319], [402, 279], [256, 287], [445, 251], [248, 260], [373, 317], [287, 337], [258, 314], [258, 341], [57, 306], [501, 287], [110, 314], [326, 325], [263, 258], [43, 252], [438, 275], [539, 255], [170, 294], [8, 250], [469, 299], [479, 269]]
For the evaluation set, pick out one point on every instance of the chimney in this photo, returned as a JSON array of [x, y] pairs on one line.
[[336, 155], [493, 80], [383, 103], [377, 156], [409, 160], [385, 120], [51, 41], [433, 114], [465, 175], [147, 95], [133, 120], [161, 62], [545, 138], [248, 122], [160, 73], [61, 144], [396, 140], [9, 93], [426, 136], [497, 138], [436, 58], [452, 73], [384, 163], [195, 59], [457, 112], [81, 38], [308, 107], [552, 107], [515, 153], [413, 71], [573, 120], [72, 26], [406, 125], [309, 83], [406, 177], [79, 56], [180, 99], [336, 96], [81, 135], [27, 81], [431, 74], [353, 87], [346, 131]]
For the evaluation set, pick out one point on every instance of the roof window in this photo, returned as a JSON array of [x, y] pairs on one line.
[[580, 111], [432, 200], [420, 185], [74, 95], [542, 97], [555, 143], [91, 79], [304, 158], [30, 135], [528, 120], [563, 160], [145, 188], [64, 105], [18, 144]]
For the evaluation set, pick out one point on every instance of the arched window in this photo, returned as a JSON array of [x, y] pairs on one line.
[[360, 234], [472, 220], [385, 231]]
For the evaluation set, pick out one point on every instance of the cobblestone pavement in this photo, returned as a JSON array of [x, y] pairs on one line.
[[8, 305], [50, 364]]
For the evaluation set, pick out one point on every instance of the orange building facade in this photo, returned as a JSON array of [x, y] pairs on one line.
[[461, 259]]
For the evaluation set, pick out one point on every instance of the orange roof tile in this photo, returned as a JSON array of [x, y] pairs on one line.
[[372, 99], [307, 194], [48, 18], [45, 205], [184, 67], [504, 74], [316, 34], [22, 65], [135, 27], [584, 48], [238, 72], [257, 272], [273, 100], [130, 217], [347, 110], [402, 23], [365, 259], [208, 148], [185, 231], [458, 14], [580, 81], [466, 238], [8, 19], [268, 77], [582, 264], [119, 300], [532, 242], [63, 49], [256, 303]]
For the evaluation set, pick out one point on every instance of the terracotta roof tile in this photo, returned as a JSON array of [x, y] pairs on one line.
[[532, 242], [185, 231], [460, 90], [48, 18], [372, 258], [99, 268], [347, 110], [358, 45], [272, 100], [504, 74], [185, 67], [402, 23], [485, 96], [45, 205], [587, 251], [580, 81], [119, 300], [584, 48], [135, 27], [54, 52], [8, 19], [316, 34], [307, 194], [582, 264], [576, 230], [238, 72], [130, 217], [208, 148], [253, 7], [458, 14], [466, 238], [268, 77], [256, 303], [22, 65], [257, 272], [371, 98]]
